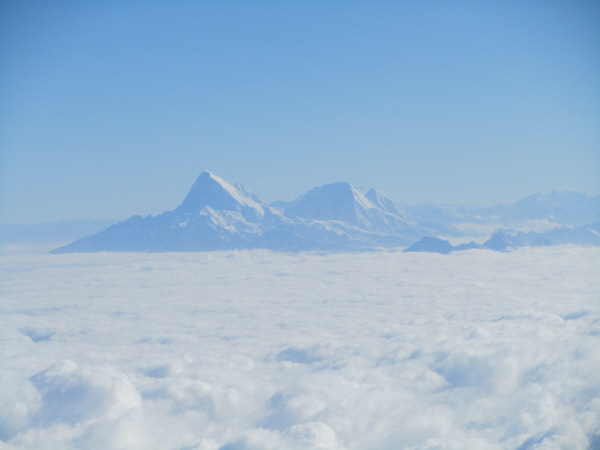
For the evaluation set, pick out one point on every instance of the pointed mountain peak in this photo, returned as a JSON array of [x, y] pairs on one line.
[[216, 193], [337, 201], [209, 177]]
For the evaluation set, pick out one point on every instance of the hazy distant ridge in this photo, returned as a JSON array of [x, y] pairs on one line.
[[216, 215], [564, 208]]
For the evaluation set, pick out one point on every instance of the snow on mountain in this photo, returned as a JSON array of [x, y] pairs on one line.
[[380, 200], [281, 205], [587, 235], [216, 215], [557, 208], [246, 193], [211, 192], [503, 240], [342, 202], [561, 207], [506, 239], [568, 208], [337, 201]]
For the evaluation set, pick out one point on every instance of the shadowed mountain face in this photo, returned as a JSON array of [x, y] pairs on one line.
[[337, 201], [431, 245], [211, 192], [380, 200], [503, 240], [216, 215]]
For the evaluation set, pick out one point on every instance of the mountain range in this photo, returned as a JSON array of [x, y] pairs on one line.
[[559, 208], [216, 215], [502, 240]]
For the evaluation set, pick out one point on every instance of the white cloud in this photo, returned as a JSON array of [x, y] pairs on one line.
[[258, 350], [74, 395]]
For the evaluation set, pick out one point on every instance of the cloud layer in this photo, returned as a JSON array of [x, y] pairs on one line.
[[258, 350]]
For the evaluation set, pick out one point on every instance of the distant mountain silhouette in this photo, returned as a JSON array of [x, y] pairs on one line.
[[503, 240], [215, 215], [431, 245], [562, 208]]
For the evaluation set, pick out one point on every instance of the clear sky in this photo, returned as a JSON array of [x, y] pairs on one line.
[[113, 108]]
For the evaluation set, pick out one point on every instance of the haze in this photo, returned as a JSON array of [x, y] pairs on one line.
[[110, 109]]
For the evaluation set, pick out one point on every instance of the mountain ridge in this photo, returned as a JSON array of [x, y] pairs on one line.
[[560, 207], [215, 215]]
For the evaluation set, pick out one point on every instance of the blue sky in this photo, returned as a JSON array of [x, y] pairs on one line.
[[113, 108]]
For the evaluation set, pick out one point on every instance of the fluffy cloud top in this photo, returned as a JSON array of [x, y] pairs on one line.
[[257, 350]]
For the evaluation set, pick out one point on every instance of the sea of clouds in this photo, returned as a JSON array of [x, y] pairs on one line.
[[254, 350]]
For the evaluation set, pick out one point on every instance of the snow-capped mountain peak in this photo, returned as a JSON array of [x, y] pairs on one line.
[[337, 201], [212, 191], [216, 215]]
